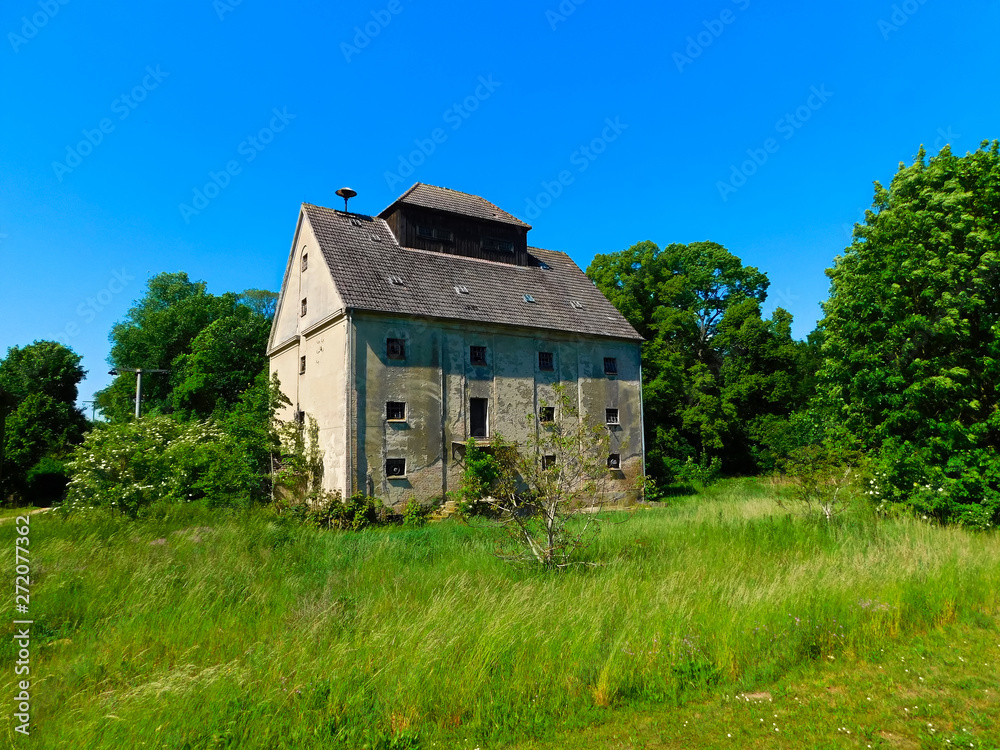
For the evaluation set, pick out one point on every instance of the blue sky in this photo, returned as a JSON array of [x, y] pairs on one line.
[[759, 126]]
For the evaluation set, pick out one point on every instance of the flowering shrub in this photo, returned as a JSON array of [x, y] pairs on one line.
[[963, 488], [130, 466]]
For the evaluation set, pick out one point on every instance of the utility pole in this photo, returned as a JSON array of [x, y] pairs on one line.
[[138, 383], [93, 410]]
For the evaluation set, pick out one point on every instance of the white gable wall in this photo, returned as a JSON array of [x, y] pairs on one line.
[[319, 336]]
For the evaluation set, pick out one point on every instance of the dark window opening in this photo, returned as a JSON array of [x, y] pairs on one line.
[[305, 261], [479, 417], [501, 246], [477, 355], [305, 306], [611, 416], [610, 366], [395, 411], [300, 417], [395, 467], [395, 348], [545, 361], [302, 365], [548, 462], [547, 414], [431, 233], [615, 461]]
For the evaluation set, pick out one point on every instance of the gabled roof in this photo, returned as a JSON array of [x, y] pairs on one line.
[[452, 201], [364, 257]]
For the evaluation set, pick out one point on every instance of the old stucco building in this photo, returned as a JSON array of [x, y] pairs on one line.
[[406, 333]]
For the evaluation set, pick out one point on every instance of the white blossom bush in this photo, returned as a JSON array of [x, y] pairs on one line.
[[127, 467]]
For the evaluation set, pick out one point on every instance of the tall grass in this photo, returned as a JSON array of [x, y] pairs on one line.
[[196, 630]]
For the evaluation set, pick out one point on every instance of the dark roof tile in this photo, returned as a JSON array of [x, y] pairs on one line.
[[362, 254], [452, 201]]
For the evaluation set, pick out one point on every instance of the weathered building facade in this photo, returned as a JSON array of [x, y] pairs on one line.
[[407, 333]]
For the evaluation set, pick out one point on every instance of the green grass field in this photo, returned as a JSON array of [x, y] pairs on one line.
[[200, 630]]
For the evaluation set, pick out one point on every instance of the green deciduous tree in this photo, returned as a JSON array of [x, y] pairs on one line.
[[713, 369], [214, 346], [912, 349], [224, 359], [38, 413], [43, 367]]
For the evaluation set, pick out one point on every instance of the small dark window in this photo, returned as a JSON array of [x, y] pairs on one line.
[[610, 366], [305, 261], [430, 233], [479, 417], [305, 306], [611, 416], [395, 348], [477, 355], [302, 365], [547, 414], [545, 361], [615, 461], [395, 411], [395, 467], [300, 417], [502, 246], [548, 462]]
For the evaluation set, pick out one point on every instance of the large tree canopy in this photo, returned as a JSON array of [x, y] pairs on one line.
[[912, 352], [711, 364], [43, 367], [224, 360], [38, 414], [213, 345]]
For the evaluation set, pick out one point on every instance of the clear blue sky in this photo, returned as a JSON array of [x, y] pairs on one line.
[[181, 87]]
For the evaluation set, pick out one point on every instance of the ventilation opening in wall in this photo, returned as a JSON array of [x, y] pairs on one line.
[[395, 348], [615, 461], [395, 468]]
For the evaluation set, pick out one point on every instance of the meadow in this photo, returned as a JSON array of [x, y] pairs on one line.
[[199, 629]]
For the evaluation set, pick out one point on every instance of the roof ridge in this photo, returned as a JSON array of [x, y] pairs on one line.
[[547, 250], [459, 202], [396, 200], [338, 211]]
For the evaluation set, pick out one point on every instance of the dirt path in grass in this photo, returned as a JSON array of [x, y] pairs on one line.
[[10, 519]]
